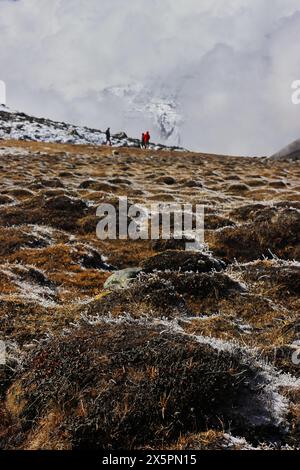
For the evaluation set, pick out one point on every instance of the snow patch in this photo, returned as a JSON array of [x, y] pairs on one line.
[[20, 126]]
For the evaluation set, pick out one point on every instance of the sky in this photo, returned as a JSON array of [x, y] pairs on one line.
[[228, 64]]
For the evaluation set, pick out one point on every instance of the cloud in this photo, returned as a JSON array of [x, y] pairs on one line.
[[228, 63]]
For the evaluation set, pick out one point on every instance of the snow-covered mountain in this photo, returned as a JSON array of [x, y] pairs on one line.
[[20, 126], [149, 104]]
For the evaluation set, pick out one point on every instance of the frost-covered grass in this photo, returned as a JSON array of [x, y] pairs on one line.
[[53, 296]]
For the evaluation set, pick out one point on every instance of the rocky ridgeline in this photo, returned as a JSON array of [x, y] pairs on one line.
[[17, 125], [290, 152]]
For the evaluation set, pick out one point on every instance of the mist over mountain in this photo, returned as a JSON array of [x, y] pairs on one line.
[[16, 125], [149, 288], [213, 76], [141, 107]]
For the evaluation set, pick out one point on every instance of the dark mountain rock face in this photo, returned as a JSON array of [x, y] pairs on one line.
[[290, 152]]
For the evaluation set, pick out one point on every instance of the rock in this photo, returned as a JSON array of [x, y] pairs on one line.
[[121, 279], [115, 152], [120, 136], [174, 260]]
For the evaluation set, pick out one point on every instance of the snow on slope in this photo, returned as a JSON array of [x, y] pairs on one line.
[[16, 125], [159, 107]]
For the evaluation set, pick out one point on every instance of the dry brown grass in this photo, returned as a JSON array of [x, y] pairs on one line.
[[131, 385], [53, 269]]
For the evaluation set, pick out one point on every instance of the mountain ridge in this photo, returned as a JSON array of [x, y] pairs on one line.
[[17, 125]]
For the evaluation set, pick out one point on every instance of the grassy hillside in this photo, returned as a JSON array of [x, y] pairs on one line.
[[193, 353]]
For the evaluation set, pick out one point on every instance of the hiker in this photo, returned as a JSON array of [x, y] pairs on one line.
[[143, 141], [147, 139], [107, 133]]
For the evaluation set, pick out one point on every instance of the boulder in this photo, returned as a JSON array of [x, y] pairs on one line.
[[121, 279], [120, 136]]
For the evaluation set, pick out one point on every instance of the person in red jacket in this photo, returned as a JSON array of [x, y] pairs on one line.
[[147, 139]]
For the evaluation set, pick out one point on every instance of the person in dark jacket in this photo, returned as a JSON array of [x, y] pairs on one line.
[[108, 136], [143, 141]]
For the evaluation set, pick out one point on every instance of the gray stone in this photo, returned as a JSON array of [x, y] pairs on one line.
[[120, 136], [121, 279]]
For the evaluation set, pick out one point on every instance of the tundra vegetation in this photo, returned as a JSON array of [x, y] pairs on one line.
[[183, 349]]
